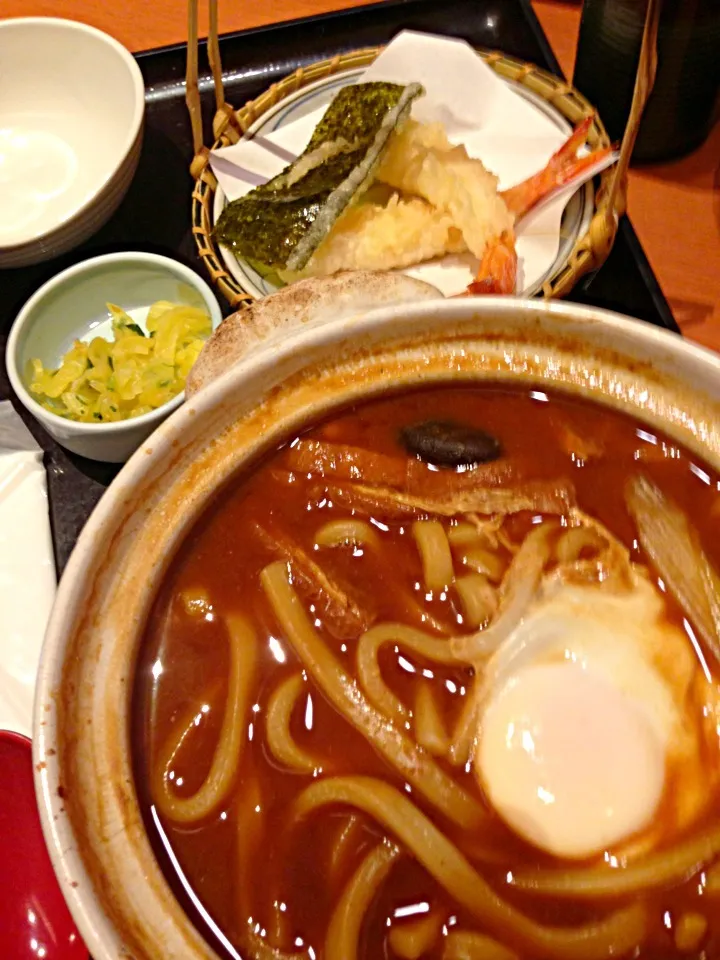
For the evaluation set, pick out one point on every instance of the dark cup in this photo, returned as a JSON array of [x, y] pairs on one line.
[[684, 102]]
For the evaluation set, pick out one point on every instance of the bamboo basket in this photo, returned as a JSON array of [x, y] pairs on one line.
[[590, 250]]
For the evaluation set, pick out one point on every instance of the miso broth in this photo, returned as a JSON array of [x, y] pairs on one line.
[[314, 697]]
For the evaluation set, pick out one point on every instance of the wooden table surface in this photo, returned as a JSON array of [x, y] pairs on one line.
[[675, 207]]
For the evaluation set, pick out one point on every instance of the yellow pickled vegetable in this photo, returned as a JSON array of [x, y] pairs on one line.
[[101, 381]]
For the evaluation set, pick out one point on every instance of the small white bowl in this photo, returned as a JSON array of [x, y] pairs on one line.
[[72, 101], [71, 306]]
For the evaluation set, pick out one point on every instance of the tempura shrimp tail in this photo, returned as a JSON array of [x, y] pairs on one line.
[[499, 262], [498, 268], [563, 167]]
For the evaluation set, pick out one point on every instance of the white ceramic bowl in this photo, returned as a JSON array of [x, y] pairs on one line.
[[117, 893], [72, 102], [73, 306]]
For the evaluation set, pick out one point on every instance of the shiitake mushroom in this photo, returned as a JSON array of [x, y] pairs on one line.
[[448, 443]]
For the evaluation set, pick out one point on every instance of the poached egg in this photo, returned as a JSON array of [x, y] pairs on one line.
[[586, 722]]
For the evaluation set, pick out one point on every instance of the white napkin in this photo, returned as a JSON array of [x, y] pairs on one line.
[[513, 138], [27, 569]]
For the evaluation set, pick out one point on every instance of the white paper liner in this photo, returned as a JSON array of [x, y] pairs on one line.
[[27, 569]]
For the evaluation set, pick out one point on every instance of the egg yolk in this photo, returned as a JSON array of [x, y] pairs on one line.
[[572, 764]]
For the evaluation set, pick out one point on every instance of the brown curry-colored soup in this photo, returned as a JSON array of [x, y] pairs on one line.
[[260, 882]]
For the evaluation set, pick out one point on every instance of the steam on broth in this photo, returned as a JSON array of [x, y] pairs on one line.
[[390, 708]]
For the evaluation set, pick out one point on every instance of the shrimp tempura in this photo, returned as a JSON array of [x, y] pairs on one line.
[[420, 160]]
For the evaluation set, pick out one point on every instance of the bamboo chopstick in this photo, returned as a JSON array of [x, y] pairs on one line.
[[644, 81], [214, 56], [192, 90]]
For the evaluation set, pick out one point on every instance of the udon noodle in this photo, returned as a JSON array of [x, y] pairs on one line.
[[351, 655]]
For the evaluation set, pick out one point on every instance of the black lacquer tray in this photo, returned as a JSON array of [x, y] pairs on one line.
[[155, 215]]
